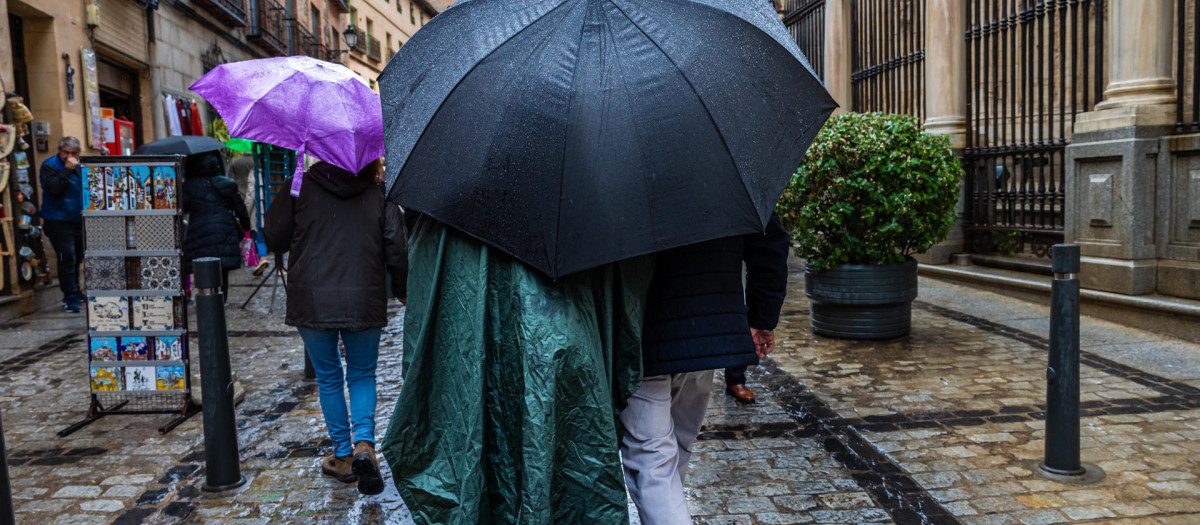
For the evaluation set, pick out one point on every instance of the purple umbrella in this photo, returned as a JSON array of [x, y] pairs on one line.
[[300, 103]]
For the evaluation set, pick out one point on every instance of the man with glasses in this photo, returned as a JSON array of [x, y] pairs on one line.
[[62, 204]]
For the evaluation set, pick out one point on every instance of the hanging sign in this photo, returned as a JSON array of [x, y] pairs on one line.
[[91, 89]]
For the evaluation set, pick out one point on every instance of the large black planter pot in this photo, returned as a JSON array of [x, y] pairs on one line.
[[862, 301]]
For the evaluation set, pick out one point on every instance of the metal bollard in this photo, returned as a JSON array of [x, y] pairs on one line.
[[222, 466], [7, 517], [1061, 460]]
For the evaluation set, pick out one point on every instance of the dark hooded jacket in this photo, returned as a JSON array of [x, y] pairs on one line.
[[699, 315], [342, 238], [216, 212]]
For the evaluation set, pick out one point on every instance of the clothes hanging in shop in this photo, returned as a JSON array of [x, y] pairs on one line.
[[170, 110], [181, 108], [197, 126]]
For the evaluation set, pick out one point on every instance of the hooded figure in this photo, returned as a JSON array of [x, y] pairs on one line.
[[342, 240], [216, 212]]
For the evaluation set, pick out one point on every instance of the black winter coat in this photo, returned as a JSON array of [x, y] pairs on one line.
[[698, 316], [343, 238], [217, 217]]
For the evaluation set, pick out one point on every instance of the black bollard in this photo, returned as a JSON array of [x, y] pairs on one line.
[[1061, 461], [222, 467], [1062, 378], [7, 517]]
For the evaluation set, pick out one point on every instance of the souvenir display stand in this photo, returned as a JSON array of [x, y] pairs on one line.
[[138, 352]]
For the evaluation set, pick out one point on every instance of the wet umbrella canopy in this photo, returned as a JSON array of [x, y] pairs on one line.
[[180, 145], [572, 133], [299, 103]]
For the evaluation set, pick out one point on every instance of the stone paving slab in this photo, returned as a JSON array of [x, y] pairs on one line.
[[938, 427]]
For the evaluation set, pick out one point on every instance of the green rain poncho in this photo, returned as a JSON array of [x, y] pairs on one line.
[[512, 385]]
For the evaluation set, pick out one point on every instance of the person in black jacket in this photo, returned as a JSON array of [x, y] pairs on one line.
[[217, 215], [698, 318], [343, 238], [62, 219]]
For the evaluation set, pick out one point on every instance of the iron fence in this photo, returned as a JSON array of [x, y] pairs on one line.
[[805, 20], [1187, 69], [1032, 66], [887, 56]]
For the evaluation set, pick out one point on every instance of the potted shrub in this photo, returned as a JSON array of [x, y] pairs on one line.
[[872, 190]]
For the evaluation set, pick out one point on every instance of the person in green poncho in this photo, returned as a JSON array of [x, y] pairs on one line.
[[513, 383]]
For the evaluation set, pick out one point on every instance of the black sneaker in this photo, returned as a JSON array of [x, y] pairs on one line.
[[71, 306]]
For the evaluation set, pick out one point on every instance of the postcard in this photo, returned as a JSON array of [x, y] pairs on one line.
[[103, 348], [139, 378], [170, 377], [153, 313], [167, 348], [93, 188], [135, 348], [108, 314], [106, 378], [145, 187], [164, 188]]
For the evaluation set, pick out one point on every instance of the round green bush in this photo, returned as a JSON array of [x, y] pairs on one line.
[[874, 188]]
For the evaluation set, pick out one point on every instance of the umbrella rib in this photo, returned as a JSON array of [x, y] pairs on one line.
[[570, 104], [692, 86]]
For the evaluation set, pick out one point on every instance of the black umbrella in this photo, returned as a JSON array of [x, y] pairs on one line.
[[180, 145], [572, 133]]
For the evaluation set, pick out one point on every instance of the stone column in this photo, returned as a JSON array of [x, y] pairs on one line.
[[945, 75], [1113, 168], [1141, 84], [945, 99], [837, 52]]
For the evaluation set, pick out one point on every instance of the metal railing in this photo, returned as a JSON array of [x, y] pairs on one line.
[[887, 55], [231, 12], [805, 20], [360, 46], [1032, 66], [268, 27], [373, 50], [302, 39], [319, 51]]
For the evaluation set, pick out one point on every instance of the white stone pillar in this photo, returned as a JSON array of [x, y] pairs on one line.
[[837, 52], [945, 78]]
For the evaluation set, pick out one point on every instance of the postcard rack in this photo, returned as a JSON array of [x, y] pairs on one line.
[[137, 353]]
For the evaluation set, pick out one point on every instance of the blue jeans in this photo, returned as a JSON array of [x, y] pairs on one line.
[[362, 352]]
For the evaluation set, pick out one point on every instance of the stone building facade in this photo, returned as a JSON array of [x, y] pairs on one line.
[[383, 27], [1075, 121], [144, 51]]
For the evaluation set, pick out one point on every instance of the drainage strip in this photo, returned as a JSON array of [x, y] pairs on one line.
[[20, 362]]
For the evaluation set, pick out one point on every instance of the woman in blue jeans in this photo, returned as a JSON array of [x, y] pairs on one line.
[[343, 238]]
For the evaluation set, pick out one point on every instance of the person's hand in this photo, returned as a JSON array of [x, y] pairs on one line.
[[71, 163], [764, 341]]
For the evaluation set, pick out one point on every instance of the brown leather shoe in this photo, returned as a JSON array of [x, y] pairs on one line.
[[339, 467], [740, 393], [366, 467]]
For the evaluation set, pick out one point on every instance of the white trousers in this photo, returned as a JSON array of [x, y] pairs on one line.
[[662, 419]]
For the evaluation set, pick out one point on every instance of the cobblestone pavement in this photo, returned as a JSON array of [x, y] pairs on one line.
[[937, 427]]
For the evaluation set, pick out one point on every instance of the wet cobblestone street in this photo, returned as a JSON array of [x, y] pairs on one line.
[[942, 426]]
